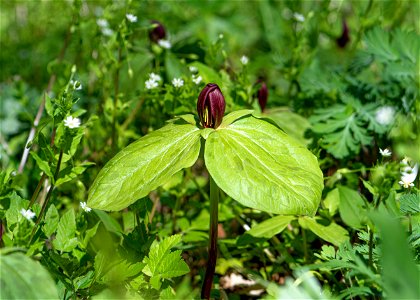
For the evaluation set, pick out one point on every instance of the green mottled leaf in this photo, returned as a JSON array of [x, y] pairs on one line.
[[351, 207], [144, 165], [333, 233], [261, 167], [23, 278], [65, 239]]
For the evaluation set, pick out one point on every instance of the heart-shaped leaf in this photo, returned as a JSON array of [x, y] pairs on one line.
[[261, 167], [144, 165]]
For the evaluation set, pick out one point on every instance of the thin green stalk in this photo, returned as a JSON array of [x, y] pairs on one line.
[[370, 261], [44, 205], [211, 263], [36, 192], [114, 135], [305, 245]]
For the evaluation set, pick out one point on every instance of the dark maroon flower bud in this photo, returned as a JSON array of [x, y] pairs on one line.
[[345, 36], [157, 32], [211, 106], [262, 96]]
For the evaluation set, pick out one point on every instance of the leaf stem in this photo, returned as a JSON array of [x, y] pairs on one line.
[[370, 262], [211, 263]]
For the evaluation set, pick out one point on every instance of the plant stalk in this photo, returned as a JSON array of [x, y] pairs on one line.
[[211, 263]]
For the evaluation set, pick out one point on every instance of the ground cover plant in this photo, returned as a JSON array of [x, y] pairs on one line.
[[207, 149]]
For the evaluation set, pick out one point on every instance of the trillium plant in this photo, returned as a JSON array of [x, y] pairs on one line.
[[247, 157]]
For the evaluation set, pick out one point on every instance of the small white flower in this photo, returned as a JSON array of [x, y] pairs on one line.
[[165, 44], [107, 31], [193, 69], [221, 36], [102, 23], [299, 17], [408, 175], [71, 122], [197, 79], [132, 18], [84, 206], [76, 84], [385, 115], [177, 82], [154, 77], [151, 84], [244, 60], [385, 152], [28, 214]]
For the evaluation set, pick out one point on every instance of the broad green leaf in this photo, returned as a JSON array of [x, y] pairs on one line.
[[333, 233], [410, 203], [65, 239], [162, 263], [208, 74], [42, 164], [109, 222], [51, 221], [144, 165], [351, 207], [332, 201], [13, 214], [233, 116], [258, 165], [401, 276], [23, 278], [266, 229]]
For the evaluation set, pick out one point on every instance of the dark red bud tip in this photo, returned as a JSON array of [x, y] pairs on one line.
[[211, 106], [157, 32], [343, 40], [262, 96]]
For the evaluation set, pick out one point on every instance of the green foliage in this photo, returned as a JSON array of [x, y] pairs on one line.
[[23, 278]]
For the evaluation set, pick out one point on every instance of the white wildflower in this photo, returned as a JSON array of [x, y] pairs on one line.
[[76, 84], [165, 44], [385, 152], [299, 17], [385, 115], [177, 82], [151, 84], [107, 31], [154, 77], [71, 122], [84, 206], [193, 69], [132, 18], [408, 175], [28, 214], [102, 23], [244, 60], [197, 79]]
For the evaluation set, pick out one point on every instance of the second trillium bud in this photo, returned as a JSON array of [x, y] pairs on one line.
[[211, 106]]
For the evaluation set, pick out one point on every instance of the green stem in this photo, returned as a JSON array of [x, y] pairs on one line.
[[38, 187], [370, 262], [114, 136], [305, 245], [211, 263]]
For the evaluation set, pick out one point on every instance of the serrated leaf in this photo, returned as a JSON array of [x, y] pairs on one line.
[[23, 278], [333, 233], [378, 44], [258, 165], [162, 263], [410, 203], [42, 164], [13, 214], [144, 165], [65, 239], [51, 221], [351, 207]]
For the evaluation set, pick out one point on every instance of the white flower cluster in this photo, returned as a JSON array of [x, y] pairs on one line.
[[153, 81], [132, 18], [28, 214], [299, 17], [71, 122], [84, 206], [177, 82], [385, 152], [195, 77], [408, 174], [165, 44], [244, 60], [104, 25], [385, 115]]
